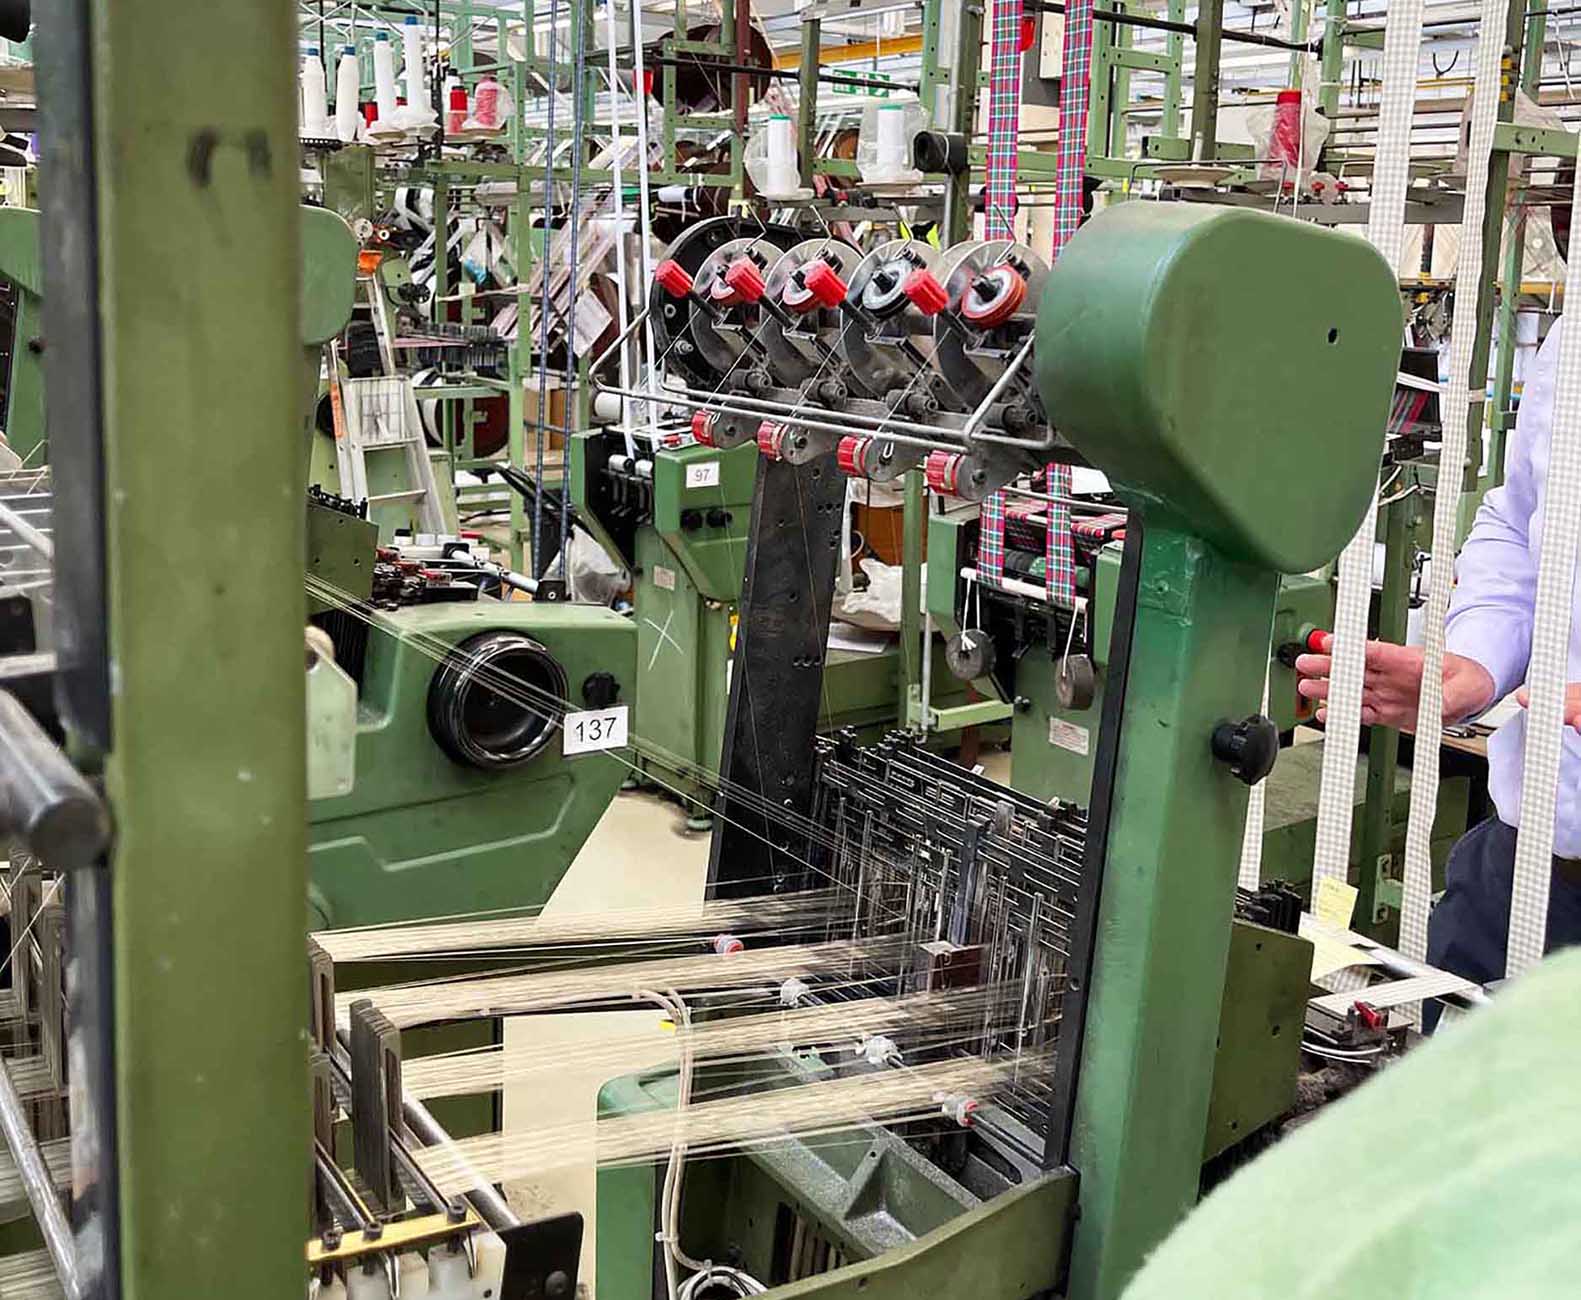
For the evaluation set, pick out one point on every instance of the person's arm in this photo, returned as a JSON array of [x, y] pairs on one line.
[[1490, 615], [1488, 633]]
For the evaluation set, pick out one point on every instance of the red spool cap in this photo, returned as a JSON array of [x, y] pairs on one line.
[[824, 283], [769, 438], [1288, 97], [997, 310], [673, 278], [1314, 640], [942, 470], [647, 81], [703, 427], [746, 279], [927, 294], [458, 97], [1028, 33], [851, 455]]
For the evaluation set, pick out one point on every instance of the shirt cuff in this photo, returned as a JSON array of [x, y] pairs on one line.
[[1487, 638]]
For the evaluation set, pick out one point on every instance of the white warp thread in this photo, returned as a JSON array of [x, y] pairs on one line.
[[1549, 668], [1386, 231], [1417, 886]]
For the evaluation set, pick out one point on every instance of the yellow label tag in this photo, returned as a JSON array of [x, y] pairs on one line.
[[1335, 902]]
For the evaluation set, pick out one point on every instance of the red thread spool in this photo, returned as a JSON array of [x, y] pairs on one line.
[[703, 427], [942, 470], [746, 279], [851, 456], [771, 437], [456, 118], [926, 294], [1007, 290], [1028, 33], [673, 278], [824, 284]]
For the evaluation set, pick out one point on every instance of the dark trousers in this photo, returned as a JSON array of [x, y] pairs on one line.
[[1468, 932]]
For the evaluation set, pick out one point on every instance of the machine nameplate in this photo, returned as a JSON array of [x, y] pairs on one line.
[[663, 577], [1067, 735], [704, 474], [596, 729]]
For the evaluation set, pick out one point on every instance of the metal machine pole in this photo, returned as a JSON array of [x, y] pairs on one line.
[[200, 267], [1205, 95], [1158, 981]]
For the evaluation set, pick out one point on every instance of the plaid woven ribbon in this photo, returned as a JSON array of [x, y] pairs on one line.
[[1004, 123], [1059, 569]]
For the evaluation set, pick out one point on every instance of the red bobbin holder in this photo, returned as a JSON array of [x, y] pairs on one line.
[[851, 456], [746, 279], [942, 470], [771, 437], [926, 293], [673, 278], [703, 427], [997, 310], [824, 283]]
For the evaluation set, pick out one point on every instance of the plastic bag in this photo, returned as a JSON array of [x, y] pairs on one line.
[[878, 605]]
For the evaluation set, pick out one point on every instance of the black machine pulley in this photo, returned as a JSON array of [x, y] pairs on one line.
[[969, 654], [496, 700], [1249, 747]]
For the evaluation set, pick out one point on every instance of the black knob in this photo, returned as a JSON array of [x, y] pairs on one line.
[[600, 690], [1249, 747], [691, 520], [718, 518]]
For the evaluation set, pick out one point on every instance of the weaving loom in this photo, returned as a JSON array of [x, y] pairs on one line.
[[925, 1034], [880, 879]]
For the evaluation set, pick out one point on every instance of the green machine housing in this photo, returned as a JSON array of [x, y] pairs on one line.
[[677, 519], [462, 800], [1158, 360]]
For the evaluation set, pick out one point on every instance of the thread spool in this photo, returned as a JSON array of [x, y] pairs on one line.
[[315, 95], [384, 77], [456, 115], [418, 111], [892, 151], [486, 105], [348, 78], [783, 176]]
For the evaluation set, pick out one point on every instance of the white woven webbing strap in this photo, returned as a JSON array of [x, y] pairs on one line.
[[1386, 231], [1416, 890], [1548, 672]]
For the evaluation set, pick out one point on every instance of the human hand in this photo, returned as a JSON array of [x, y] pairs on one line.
[[1523, 697], [1392, 686]]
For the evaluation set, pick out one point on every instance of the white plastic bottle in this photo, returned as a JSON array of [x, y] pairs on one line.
[[348, 81], [315, 101]]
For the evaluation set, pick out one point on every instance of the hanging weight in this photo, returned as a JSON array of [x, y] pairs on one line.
[[969, 654], [1076, 682]]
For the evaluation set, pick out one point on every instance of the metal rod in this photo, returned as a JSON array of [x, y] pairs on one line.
[[1000, 384], [779, 74], [489, 1204], [40, 1189], [39, 541], [1187, 29]]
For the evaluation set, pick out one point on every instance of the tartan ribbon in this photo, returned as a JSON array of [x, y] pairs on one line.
[[1004, 123]]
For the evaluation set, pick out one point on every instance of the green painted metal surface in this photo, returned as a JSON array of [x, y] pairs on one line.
[[685, 481], [1266, 983], [1010, 1248], [1451, 1174], [24, 400], [199, 244], [1156, 338], [859, 1195], [421, 835], [1164, 923]]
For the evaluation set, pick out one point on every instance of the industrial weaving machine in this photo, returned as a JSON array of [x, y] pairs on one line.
[[928, 1028]]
